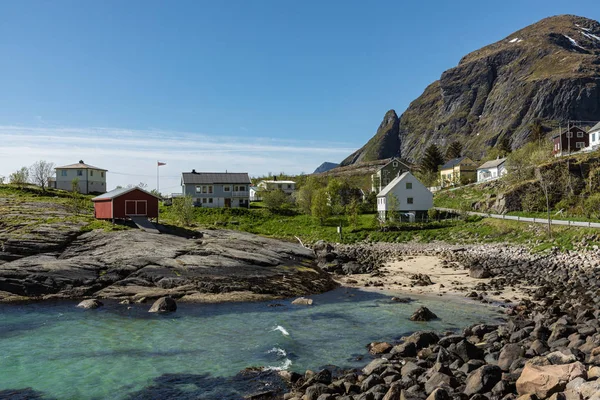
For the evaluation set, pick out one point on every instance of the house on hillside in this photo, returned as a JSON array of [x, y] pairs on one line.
[[412, 199], [458, 171], [124, 203], [217, 189], [594, 137], [288, 187], [90, 179], [491, 170], [384, 175], [571, 140]]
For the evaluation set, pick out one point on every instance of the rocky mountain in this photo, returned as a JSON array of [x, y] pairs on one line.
[[326, 166], [549, 71]]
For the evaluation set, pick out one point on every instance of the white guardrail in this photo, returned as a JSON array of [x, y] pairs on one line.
[[525, 219]]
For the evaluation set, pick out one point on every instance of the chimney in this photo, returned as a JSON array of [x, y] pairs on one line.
[[81, 162], [193, 171], [274, 178]]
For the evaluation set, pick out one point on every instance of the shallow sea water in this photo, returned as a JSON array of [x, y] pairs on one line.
[[116, 352]]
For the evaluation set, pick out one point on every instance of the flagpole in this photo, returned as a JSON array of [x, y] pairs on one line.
[[157, 167]]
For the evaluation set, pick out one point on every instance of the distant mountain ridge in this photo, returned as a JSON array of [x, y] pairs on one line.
[[326, 166], [549, 71]]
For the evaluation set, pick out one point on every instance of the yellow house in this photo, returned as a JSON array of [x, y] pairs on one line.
[[458, 171]]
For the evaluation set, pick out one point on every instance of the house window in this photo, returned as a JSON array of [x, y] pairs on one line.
[[394, 164], [210, 200], [280, 186], [102, 174], [198, 189], [92, 173], [63, 172], [593, 137], [204, 200], [289, 186], [409, 200], [579, 145], [409, 185], [79, 172], [226, 188], [579, 134]]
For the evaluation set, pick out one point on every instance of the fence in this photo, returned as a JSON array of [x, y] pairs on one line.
[[526, 219]]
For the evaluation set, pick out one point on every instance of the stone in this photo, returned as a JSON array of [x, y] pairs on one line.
[[479, 272], [406, 349], [303, 301], [313, 392], [483, 379], [509, 354], [376, 348], [423, 339], [557, 358], [439, 394], [90, 304], [544, 381], [438, 379], [378, 365], [423, 314], [467, 351], [163, 305]]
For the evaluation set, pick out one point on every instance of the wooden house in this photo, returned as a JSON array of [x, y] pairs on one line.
[[125, 203]]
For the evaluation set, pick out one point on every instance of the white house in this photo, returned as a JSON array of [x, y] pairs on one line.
[[90, 179], [254, 196], [413, 199], [491, 170], [287, 187], [594, 137]]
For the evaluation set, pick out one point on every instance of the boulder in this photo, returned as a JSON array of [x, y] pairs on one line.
[[423, 314], [303, 301], [479, 272], [376, 348], [90, 304], [163, 305], [407, 349], [439, 379], [509, 354], [483, 379], [544, 381], [439, 394], [423, 339]]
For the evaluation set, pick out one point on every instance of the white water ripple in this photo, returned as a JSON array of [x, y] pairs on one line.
[[280, 352], [281, 329]]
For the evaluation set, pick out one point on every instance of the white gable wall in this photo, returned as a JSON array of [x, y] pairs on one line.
[[422, 198], [594, 139]]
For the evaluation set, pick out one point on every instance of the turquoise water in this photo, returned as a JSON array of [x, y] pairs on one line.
[[120, 353]]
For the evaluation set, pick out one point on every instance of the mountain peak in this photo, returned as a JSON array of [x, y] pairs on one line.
[[548, 71]]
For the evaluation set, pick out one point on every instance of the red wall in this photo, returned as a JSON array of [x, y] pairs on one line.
[[102, 209], [151, 203]]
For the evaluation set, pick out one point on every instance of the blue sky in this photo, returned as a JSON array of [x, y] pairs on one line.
[[258, 86]]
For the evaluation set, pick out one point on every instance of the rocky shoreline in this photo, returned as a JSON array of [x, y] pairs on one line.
[[549, 348]]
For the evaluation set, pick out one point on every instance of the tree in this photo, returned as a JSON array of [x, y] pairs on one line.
[[393, 207], [40, 172], [537, 132], [432, 159], [320, 208], [19, 177], [353, 210], [504, 146], [304, 195], [275, 200], [546, 181], [183, 209], [156, 193], [76, 200], [454, 150], [334, 196]]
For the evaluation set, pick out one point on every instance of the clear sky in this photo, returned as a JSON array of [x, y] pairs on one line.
[[251, 85]]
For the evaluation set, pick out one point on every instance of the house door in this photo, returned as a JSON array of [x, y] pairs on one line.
[[135, 207], [228, 203]]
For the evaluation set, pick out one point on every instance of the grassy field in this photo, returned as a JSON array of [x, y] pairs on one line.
[[292, 225]]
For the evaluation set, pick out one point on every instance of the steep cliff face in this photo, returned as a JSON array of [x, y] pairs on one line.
[[549, 71]]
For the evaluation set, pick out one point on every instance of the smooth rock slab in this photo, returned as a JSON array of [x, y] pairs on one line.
[[303, 301], [163, 305]]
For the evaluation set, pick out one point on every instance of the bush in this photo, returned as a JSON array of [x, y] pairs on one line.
[[183, 209], [592, 206], [533, 200], [275, 200]]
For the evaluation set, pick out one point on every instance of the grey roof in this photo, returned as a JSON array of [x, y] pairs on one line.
[[215, 177], [452, 163], [118, 192], [392, 184], [80, 165], [492, 164], [392, 160], [595, 127]]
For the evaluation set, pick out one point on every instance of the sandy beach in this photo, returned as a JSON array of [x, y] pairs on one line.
[[448, 279]]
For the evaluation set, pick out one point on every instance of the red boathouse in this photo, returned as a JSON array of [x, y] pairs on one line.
[[124, 203]]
